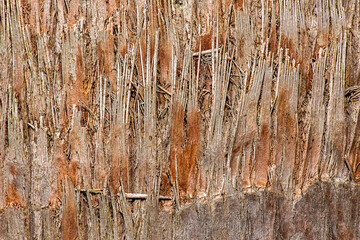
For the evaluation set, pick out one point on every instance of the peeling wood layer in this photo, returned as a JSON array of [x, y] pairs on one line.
[[186, 102]]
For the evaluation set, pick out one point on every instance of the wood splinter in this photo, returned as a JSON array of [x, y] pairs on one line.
[[130, 196], [209, 51]]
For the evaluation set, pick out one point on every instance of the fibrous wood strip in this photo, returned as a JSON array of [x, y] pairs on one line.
[[82, 216], [107, 56], [41, 177], [34, 18], [286, 114], [317, 120], [291, 19], [99, 14], [117, 225], [119, 160], [353, 155], [38, 90], [245, 36], [191, 151], [58, 172], [165, 60], [49, 226], [72, 65], [184, 148], [74, 13], [68, 69], [150, 117], [129, 219], [3, 129], [353, 55], [92, 218], [46, 16], [119, 163], [69, 224], [243, 151], [79, 78], [60, 19], [16, 167], [337, 16], [323, 18], [14, 223], [295, 37], [334, 162], [217, 130], [273, 36], [80, 162], [262, 151], [100, 172], [105, 220], [176, 138], [17, 54]]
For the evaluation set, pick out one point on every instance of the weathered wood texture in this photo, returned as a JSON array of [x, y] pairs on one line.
[[246, 113]]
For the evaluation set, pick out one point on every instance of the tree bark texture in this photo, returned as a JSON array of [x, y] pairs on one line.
[[181, 119]]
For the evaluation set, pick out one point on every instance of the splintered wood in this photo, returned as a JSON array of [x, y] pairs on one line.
[[171, 103]]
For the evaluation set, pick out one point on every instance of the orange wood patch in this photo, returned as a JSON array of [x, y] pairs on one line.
[[262, 156], [69, 217], [186, 155]]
